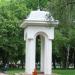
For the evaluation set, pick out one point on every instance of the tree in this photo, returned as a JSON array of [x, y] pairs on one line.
[[11, 35], [64, 12]]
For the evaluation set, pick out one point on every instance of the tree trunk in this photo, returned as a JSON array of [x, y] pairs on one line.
[[54, 62], [67, 62], [74, 59], [22, 64], [64, 57]]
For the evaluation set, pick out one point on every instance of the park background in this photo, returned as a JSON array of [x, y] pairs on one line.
[[12, 44]]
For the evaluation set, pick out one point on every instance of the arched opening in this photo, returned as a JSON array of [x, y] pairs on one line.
[[40, 42], [38, 51]]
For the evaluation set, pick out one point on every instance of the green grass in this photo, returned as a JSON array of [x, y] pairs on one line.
[[13, 71], [57, 71], [64, 72]]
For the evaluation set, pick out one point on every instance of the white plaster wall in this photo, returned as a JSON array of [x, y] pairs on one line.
[[31, 31]]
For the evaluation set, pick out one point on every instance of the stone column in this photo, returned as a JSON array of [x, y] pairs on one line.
[[30, 56], [42, 54], [48, 57]]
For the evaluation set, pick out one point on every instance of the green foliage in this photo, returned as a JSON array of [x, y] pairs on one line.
[[11, 35], [12, 12], [33, 4], [63, 10]]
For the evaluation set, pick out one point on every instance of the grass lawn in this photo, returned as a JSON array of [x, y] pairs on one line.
[[64, 72], [57, 71], [13, 71]]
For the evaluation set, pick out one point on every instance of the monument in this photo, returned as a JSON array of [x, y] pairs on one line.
[[39, 23]]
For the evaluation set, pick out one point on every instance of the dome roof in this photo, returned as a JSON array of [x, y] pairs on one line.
[[39, 18]]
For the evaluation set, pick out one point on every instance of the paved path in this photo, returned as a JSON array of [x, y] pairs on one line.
[[2, 74]]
